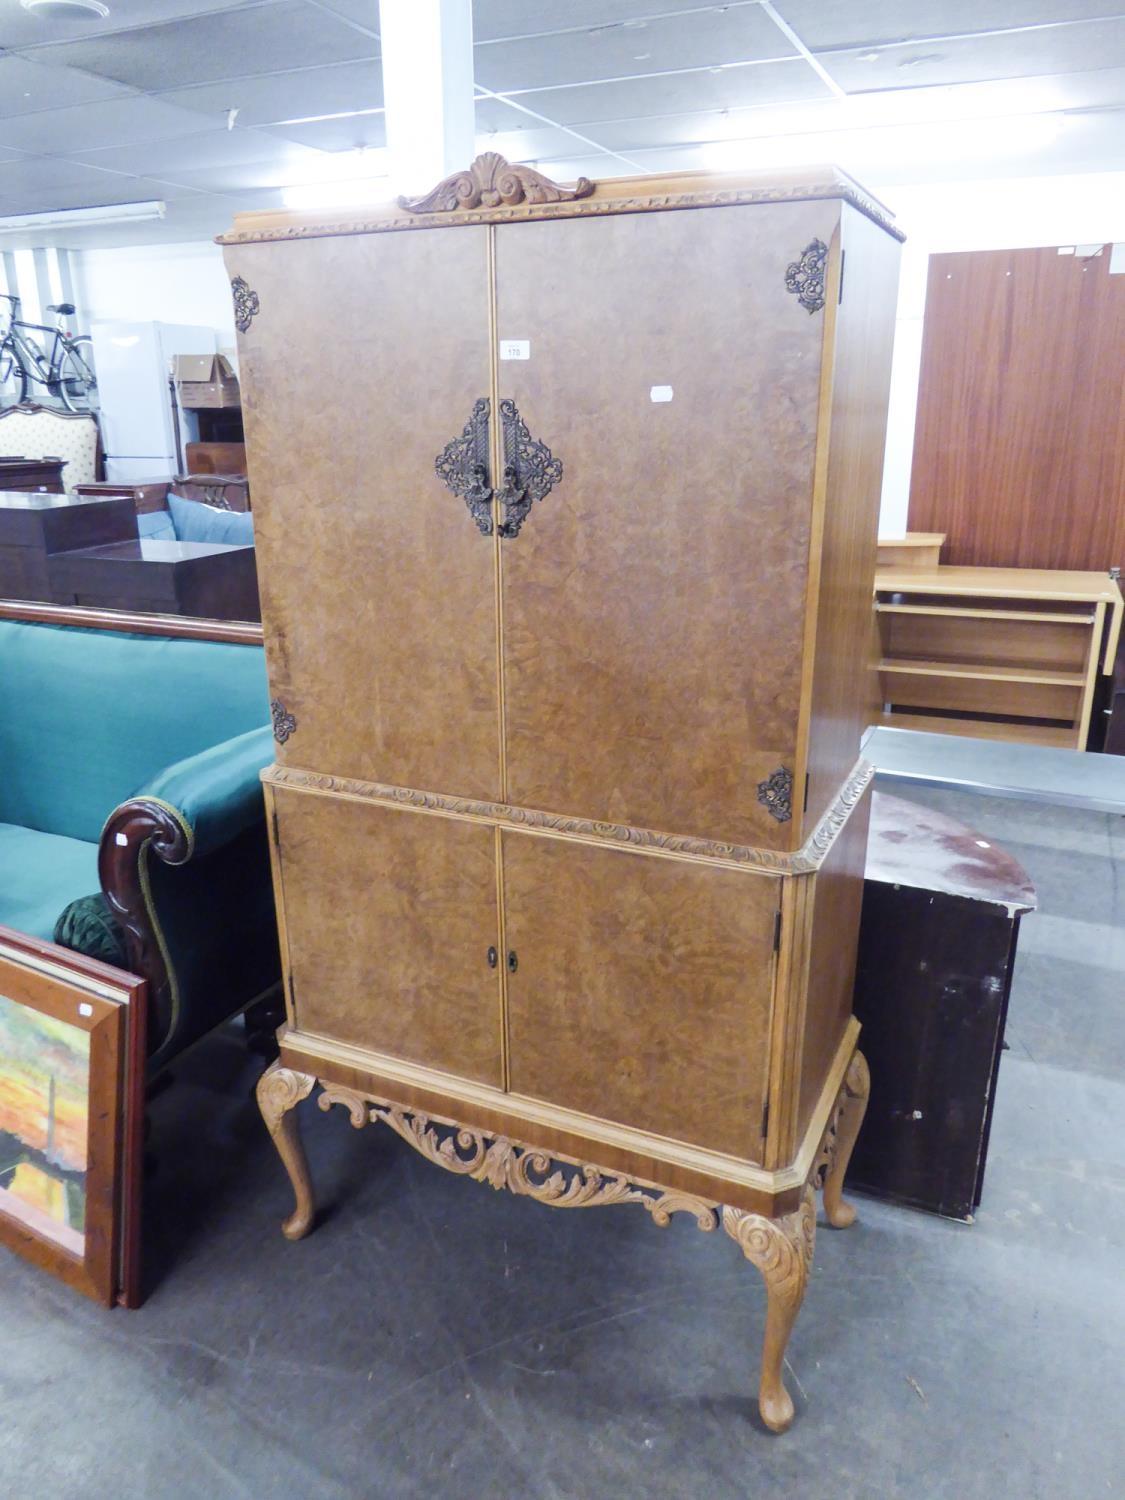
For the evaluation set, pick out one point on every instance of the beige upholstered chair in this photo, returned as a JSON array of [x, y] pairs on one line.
[[31, 431]]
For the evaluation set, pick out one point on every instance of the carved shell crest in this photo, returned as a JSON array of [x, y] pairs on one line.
[[492, 182]]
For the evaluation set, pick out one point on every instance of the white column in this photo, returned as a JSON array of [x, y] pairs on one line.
[[427, 48]]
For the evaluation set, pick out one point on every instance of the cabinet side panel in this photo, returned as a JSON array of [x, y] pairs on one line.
[[389, 916], [654, 599], [844, 684], [834, 940], [363, 361], [643, 987]]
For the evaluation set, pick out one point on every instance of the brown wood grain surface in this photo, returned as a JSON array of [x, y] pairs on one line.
[[389, 916], [842, 643], [377, 589], [1019, 450], [653, 603], [643, 989]]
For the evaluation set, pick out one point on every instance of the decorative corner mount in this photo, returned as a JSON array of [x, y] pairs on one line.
[[492, 182], [776, 794], [805, 277], [283, 721], [247, 304]]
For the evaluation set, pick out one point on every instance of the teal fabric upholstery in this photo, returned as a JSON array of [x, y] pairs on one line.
[[218, 792], [89, 717], [196, 522], [39, 874]]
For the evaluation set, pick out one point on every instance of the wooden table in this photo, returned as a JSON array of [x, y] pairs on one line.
[[998, 653], [206, 579], [43, 475], [33, 527], [937, 944]]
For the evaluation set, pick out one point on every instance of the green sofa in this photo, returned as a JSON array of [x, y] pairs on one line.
[[129, 765]]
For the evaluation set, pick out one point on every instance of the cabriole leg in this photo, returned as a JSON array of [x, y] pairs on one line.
[[782, 1250], [853, 1106], [280, 1090]]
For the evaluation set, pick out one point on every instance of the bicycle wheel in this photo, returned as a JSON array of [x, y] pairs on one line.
[[13, 376], [74, 377]]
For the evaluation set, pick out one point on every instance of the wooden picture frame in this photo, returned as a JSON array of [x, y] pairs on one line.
[[73, 1031]]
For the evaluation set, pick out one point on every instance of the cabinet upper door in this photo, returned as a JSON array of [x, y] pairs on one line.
[[362, 362], [654, 600]]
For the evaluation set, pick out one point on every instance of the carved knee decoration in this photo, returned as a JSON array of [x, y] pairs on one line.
[[279, 1092]]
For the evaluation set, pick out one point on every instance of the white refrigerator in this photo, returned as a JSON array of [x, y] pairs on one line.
[[133, 362]]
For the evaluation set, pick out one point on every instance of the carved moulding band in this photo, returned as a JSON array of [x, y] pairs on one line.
[[558, 1181], [803, 861], [492, 182], [639, 203]]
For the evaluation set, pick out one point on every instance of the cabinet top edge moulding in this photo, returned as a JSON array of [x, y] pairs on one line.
[[493, 191]]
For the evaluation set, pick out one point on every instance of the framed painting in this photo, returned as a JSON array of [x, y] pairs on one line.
[[72, 1071]]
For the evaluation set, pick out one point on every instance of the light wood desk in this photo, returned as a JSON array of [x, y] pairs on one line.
[[999, 653]]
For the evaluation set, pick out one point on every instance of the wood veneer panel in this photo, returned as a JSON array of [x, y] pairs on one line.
[[1019, 449], [389, 916], [844, 685], [362, 363], [643, 989], [834, 940], [654, 600]]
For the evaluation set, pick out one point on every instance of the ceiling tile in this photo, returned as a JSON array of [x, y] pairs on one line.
[[509, 18], [567, 169], [363, 13], [1014, 55], [259, 39], [836, 23], [212, 148], [288, 96], [40, 186], [116, 122], [27, 86], [529, 144], [21, 29], [351, 133], [673, 93], [238, 178], [705, 38]]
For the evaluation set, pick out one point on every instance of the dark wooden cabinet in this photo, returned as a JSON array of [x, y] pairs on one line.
[[937, 945], [42, 475], [36, 527], [570, 660]]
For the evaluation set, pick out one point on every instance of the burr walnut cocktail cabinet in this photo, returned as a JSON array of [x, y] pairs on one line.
[[566, 510]]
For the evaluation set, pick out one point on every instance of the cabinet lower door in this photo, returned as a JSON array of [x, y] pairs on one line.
[[639, 988], [388, 919]]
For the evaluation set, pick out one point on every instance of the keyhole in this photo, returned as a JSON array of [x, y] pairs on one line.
[[513, 961]]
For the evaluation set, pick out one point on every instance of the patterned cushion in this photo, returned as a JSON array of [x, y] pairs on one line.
[[46, 434]]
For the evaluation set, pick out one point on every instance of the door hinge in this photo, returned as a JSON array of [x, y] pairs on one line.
[[292, 996], [276, 833], [765, 1119], [777, 930], [805, 808], [843, 257]]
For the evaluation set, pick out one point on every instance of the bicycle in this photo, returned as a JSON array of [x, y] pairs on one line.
[[68, 372]]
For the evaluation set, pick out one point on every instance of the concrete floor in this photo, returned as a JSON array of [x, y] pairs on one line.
[[434, 1339]]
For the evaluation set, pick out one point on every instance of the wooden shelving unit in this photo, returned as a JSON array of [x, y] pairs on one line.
[[1000, 653]]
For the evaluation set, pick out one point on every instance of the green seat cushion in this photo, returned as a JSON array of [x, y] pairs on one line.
[[88, 926], [40, 874]]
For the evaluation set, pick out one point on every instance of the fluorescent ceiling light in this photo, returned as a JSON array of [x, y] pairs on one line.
[[67, 10], [74, 218]]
